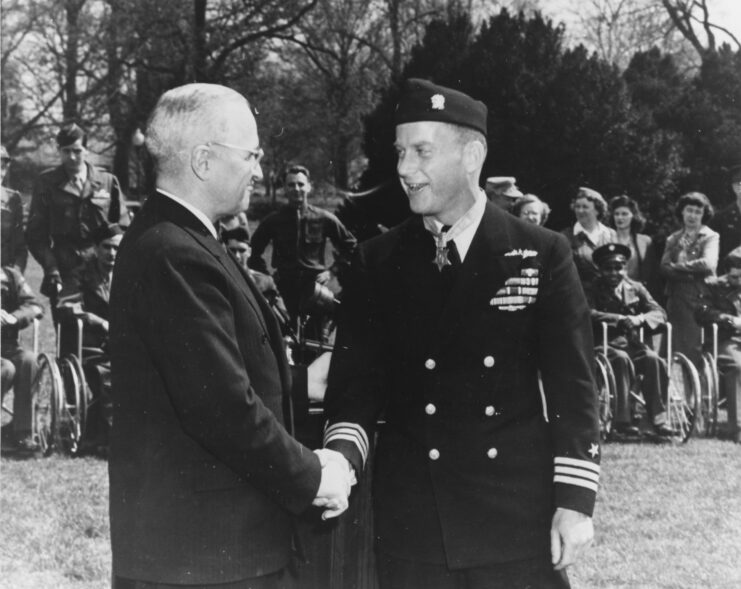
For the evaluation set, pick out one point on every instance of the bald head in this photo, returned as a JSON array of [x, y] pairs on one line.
[[186, 116]]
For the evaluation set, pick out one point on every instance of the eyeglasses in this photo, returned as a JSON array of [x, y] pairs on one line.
[[258, 153], [238, 250]]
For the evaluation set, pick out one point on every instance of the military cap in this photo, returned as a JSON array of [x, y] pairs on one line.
[[609, 251], [106, 231], [505, 185], [424, 101], [70, 133], [4, 155], [237, 234], [733, 258]]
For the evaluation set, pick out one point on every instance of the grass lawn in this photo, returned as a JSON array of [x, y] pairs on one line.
[[667, 516]]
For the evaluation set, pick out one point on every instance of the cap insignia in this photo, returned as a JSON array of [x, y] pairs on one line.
[[438, 101]]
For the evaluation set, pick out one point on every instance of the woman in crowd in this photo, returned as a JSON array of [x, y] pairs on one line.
[[588, 233], [690, 256], [532, 209], [643, 265]]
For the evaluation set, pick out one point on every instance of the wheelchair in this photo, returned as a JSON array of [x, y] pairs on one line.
[[682, 397], [710, 397], [62, 398]]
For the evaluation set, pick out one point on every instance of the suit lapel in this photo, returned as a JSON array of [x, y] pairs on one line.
[[182, 217]]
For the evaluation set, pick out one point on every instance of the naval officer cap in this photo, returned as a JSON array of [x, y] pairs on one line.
[[611, 251], [424, 101], [505, 185]]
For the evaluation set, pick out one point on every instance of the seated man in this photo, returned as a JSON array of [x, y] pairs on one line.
[[625, 305], [19, 309], [723, 306], [237, 241], [86, 298]]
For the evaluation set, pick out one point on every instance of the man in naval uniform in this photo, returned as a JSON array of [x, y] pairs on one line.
[[449, 322], [503, 191]]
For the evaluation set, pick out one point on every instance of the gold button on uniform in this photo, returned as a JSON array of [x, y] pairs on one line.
[[489, 410], [489, 361], [430, 364], [430, 409], [434, 454], [492, 453]]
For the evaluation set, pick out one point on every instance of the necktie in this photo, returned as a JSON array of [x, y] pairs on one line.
[[453, 255]]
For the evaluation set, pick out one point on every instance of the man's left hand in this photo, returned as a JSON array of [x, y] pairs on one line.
[[323, 277], [571, 533], [317, 376]]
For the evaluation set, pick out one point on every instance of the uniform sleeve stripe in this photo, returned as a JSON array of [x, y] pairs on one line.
[[574, 481], [576, 463], [578, 472], [347, 434], [353, 429], [351, 432]]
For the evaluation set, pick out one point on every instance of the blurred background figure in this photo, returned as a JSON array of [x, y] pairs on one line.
[[502, 191], [532, 209], [299, 233], [69, 203], [690, 256], [643, 264], [237, 241], [625, 305], [588, 233], [13, 248], [728, 221], [723, 306], [88, 299], [19, 309]]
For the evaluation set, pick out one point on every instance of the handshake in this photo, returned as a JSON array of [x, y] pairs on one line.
[[338, 477]]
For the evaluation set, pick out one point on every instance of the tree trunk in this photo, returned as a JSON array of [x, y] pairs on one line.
[[71, 102]]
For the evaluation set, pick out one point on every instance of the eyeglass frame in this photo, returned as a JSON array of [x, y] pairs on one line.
[[258, 153]]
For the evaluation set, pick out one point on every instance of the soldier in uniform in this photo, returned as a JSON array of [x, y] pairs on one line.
[[299, 234], [727, 222], [625, 305], [503, 191], [237, 241], [19, 309], [723, 306], [88, 299], [68, 204], [447, 321], [13, 247]]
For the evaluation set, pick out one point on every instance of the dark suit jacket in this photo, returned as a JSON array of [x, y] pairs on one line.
[[204, 476], [468, 471]]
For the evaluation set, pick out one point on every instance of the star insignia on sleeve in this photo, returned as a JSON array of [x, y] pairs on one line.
[[593, 450]]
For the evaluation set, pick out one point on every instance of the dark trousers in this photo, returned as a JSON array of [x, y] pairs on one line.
[[729, 368], [396, 573], [278, 580], [19, 368], [647, 364]]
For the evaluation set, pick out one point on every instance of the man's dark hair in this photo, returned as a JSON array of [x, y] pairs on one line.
[[296, 169], [237, 234]]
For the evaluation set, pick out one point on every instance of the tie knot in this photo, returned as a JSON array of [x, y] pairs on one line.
[[445, 228]]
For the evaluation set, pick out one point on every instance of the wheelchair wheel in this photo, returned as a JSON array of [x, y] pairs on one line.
[[683, 398], [85, 395], [707, 423], [46, 392], [606, 391], [71, 423]]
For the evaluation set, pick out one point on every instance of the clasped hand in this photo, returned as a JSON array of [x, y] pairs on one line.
[[338, 478]]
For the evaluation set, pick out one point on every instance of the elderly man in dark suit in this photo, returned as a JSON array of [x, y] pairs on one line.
[[204, 474], [449, 322]]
